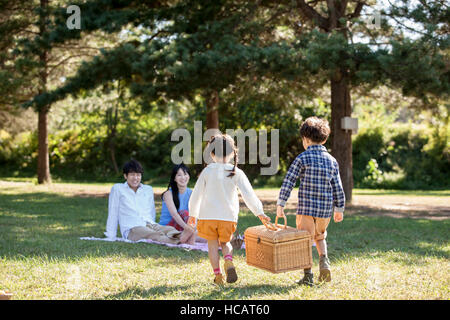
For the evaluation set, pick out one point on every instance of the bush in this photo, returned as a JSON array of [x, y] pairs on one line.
[[405, 158], [390, 156]]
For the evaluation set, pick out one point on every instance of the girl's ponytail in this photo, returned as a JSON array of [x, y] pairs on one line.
[[233, 171], [226, 143]]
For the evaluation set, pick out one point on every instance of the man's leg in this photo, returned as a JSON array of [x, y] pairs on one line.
[[166, 234], [139, 233], [152, 233], [168, 231]]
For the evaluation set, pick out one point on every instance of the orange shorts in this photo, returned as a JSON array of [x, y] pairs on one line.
[[216, 229]]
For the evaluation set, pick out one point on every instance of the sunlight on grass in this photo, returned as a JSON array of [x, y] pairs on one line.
[[42, 257]]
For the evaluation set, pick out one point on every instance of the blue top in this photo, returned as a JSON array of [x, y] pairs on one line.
[[320, 184], [184, 205]]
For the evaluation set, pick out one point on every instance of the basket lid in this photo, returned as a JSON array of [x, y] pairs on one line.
[[280, 235]]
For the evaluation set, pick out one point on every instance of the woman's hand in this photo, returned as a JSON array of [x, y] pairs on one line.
[[189, 228]]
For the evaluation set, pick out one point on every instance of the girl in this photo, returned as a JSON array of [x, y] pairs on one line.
[[215, 203], [175, 204]]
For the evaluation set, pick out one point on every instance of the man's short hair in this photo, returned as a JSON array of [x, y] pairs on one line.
[[315, 129], [132, 166]]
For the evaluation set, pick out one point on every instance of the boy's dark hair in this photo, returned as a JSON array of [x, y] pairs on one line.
[[132, 166], [315, 129]]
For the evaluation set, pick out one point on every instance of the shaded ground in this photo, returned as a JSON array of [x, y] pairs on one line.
[[371, 203]]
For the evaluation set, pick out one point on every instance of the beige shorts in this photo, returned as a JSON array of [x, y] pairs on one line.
[[317, 227]]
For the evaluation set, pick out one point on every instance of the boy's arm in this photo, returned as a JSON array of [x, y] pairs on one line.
[[289, 182], [338, 191], [113, 213]]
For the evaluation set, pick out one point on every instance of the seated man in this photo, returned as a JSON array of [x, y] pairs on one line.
[[131, 206]]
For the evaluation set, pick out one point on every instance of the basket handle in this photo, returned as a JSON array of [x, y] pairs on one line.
[[285, 222]]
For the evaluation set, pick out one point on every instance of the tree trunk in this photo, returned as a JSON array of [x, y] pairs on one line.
[[112, 152], [341, 140], [111, 135], [212, 110], [43, 156]]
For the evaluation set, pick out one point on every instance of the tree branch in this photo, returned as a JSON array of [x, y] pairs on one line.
[[312, 15], [53, 67], [333, 18], [357, 12], [341, 7]]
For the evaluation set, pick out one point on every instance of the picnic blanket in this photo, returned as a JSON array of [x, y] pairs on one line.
[[197, 246], [202, 246]]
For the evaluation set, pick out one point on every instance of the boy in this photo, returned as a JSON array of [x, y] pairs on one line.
[[320, 191]]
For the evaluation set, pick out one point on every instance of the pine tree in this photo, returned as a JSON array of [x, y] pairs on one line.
[[31, 67], [202, 46]]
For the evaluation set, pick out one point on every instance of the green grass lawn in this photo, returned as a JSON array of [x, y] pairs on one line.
[[41, 256]]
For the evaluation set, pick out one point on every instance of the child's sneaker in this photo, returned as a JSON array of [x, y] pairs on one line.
[[218, 279], [307, 280], [230, 271], [324, 269]]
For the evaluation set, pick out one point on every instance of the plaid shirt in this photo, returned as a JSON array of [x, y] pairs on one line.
[[320, 184]]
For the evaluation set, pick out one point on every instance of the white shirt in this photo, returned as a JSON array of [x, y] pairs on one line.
[[129, 209], [215, 195]]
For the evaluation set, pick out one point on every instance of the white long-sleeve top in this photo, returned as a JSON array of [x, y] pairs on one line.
[[215, 195], [129, 209]]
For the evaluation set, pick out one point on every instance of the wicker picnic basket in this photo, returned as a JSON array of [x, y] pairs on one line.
[[277, 249]]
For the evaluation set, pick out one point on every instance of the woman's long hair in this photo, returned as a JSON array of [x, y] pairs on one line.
[[173, 184]]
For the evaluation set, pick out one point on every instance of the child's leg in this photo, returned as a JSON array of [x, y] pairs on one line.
[[207, 229], [214, 259], [320, 234], [228, 266], [321, 225], [213, 253], [306, 223], [321, 246], [226, 230], [227, 250]]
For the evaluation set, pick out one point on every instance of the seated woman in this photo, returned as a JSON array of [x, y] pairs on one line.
[[175, 205]]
